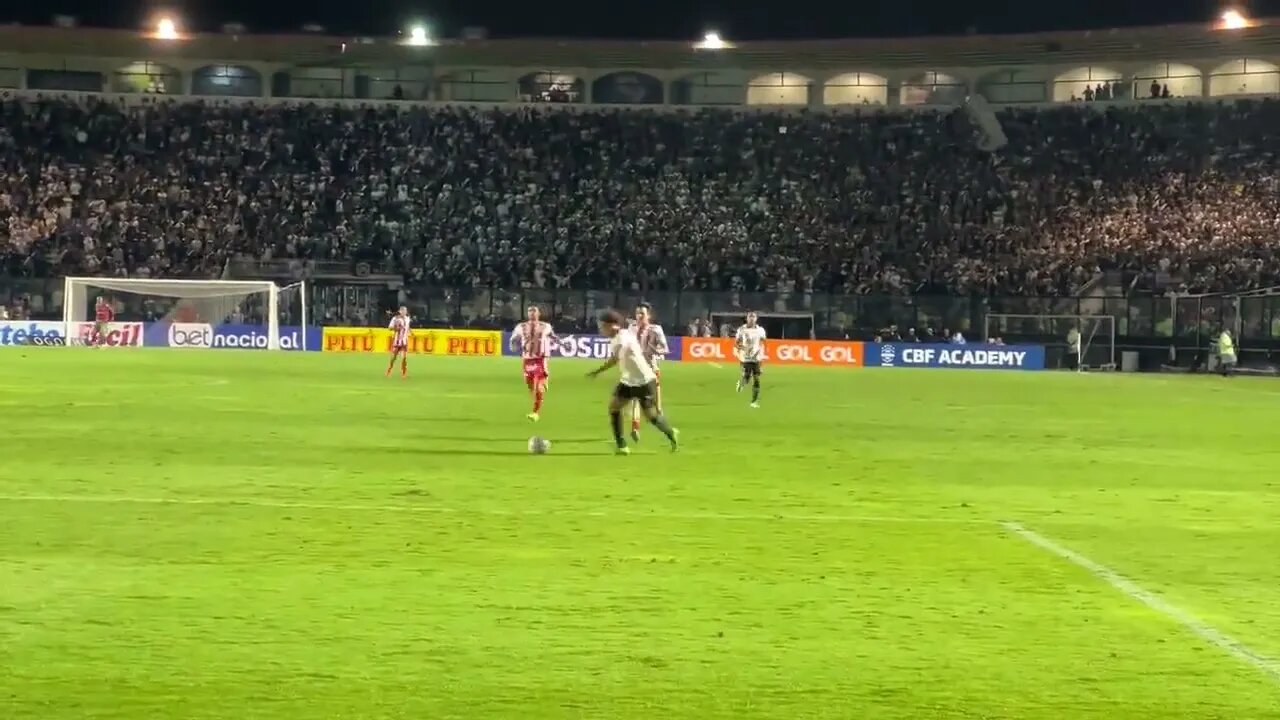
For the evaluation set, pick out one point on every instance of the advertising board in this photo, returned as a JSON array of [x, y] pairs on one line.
[[971, 357], [587, 346], [812, 353], [456, 343]]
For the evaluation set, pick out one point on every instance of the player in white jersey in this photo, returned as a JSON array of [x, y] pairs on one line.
[[653, 341], [535, 338], [748, 345], [639, 383], [399, 328]]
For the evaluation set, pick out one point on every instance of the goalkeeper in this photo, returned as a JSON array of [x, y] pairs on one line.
[[103, 315]]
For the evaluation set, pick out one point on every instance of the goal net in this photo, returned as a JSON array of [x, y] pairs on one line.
[[778, 325], [251, 313], [1095, 346]]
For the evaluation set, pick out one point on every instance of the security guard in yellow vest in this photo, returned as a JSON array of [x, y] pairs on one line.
[[1226, 353]]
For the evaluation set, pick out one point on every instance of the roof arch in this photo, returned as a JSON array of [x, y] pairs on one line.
[[856, 88], [1013, 85], [933, 88], [227, 80], [1080, 82], [628, 87], [1244, 76], [551, 86], [779, 88], [1169, 79], [147, 77]]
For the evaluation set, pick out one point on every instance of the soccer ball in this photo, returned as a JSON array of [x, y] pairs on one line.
[[539, 446]]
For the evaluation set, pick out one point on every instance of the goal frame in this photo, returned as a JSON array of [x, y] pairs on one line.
[[1085, 342], [272, 291]]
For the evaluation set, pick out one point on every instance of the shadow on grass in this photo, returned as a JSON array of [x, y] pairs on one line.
[[503, 440], [491, 453]]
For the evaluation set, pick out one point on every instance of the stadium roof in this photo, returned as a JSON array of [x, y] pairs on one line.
[[1115, 45]]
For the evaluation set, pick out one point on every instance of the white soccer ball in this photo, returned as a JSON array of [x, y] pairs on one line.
[[539, 446]]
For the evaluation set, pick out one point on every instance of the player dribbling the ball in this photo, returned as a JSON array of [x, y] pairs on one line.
[[638, 382], [534, 339], [749, 347]]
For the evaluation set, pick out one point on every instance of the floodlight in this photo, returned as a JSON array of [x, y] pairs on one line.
[[166, 28]]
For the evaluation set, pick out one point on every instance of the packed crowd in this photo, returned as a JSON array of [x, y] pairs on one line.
[[718, 200]]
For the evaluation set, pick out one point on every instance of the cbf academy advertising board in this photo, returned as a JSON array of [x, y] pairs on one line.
[[965, 357]]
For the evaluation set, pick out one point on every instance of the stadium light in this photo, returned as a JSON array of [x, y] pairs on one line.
[[418, 36], [167, 29], [1233, 20], [712, 41]]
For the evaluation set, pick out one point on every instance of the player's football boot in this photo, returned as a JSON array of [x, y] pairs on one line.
[[533, 417], [675, 440], [635, 434], [622, 451], [755, 405]]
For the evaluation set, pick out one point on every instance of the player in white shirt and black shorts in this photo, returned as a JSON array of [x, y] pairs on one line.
[[749, 347], [638, 382]]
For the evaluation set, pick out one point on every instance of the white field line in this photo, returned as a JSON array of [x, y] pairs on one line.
[[1195, 625], [441, 510]]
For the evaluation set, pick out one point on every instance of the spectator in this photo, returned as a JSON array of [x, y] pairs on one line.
[[718, 201]]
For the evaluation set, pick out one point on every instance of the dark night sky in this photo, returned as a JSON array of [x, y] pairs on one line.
[[676, 19]]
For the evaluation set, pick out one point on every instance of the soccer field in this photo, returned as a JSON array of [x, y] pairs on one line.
[[291, 535]]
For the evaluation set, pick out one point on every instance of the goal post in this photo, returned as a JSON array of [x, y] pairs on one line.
[[1096, 346], [214, 303]]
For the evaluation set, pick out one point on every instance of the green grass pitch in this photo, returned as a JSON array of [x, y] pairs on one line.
[[234, 535]]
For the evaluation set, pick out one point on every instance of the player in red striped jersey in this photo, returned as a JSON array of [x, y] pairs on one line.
[[534, 338], [103, 316], [399, 328], [653, 343]]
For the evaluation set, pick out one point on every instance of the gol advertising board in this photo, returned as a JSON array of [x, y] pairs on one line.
[[592, 347], [812, 353], [456, 343], [969, 357]]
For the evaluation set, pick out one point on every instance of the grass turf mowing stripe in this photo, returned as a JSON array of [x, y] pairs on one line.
[[360, 507], [1198, 627]]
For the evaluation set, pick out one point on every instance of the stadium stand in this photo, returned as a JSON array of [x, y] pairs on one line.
[[1174, 195]]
